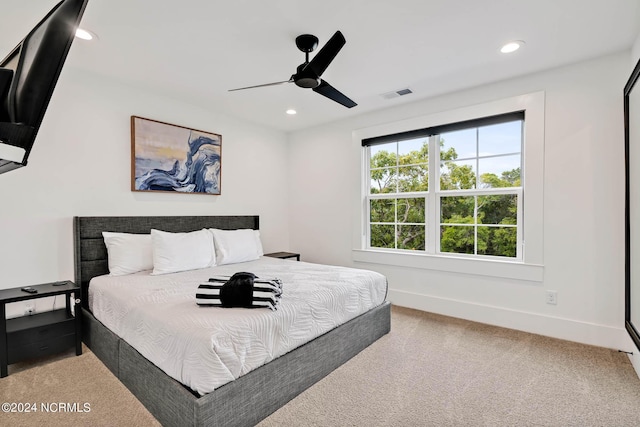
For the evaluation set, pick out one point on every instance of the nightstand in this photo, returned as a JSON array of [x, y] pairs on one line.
[[284, 255], [43, 333]]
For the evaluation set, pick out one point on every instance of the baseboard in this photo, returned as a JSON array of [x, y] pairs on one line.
[[556, 327]]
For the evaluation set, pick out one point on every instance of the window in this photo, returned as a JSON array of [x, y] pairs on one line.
[[399, 175], [454, 189]]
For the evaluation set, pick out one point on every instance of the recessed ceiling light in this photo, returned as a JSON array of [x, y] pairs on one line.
[[84, 34], [511, 46], [291, 112]]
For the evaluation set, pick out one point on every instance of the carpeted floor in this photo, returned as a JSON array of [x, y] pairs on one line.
[[55, 384], [430, 370], [433, 370]]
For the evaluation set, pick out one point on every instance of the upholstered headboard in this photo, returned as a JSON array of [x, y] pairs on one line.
[[91, 252]]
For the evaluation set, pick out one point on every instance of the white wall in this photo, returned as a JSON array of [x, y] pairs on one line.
[[81, 165], [635, 52], [583, 208]]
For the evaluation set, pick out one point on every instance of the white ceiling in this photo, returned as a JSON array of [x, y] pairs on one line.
[[195, 50]]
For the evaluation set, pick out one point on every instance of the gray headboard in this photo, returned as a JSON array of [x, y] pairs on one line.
[[91, 253]]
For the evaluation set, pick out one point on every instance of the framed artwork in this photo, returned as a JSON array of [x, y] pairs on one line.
[[171, 158]]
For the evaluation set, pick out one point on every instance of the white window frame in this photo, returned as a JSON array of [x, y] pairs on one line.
[[529, 264]]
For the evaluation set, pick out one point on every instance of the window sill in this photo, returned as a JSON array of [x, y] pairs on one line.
[[492, 268]]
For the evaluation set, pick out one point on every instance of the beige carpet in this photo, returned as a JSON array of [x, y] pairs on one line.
[[61, 381], [430, 370], [433, 370]]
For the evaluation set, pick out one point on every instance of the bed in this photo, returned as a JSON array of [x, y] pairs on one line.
[[242, 401]]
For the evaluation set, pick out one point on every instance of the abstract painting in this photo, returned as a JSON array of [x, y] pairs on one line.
[[174, 158]]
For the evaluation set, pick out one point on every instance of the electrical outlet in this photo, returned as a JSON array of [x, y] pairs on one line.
[[552, 297], [29, 308]]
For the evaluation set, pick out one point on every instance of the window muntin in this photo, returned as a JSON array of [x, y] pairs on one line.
[[399, 167], [398, 223], [476, 209], [480, 224]]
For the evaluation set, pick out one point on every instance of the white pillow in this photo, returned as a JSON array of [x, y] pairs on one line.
[[236, 245], [173, 252], [128, 253]]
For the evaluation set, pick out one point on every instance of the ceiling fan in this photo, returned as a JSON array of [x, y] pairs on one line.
[[308, 73]]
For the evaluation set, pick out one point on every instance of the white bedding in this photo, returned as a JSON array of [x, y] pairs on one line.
[[206, 347]]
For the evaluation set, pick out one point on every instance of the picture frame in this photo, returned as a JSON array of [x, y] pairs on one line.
[[174, 159]]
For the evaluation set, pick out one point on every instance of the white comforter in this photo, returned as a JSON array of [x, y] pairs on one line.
[[206, 347]]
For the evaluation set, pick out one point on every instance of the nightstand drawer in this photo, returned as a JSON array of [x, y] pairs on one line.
[[41, 333], [40, 348]]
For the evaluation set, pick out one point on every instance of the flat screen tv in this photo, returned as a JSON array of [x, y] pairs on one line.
[[28, 76]]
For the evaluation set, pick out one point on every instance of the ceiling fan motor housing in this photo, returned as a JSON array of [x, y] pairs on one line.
[[305, 77]]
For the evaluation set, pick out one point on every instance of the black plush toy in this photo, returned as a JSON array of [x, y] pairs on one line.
[[238, 291]]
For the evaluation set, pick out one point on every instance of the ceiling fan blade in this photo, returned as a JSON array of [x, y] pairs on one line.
[[323, 58], [325, 89], [267, 84]]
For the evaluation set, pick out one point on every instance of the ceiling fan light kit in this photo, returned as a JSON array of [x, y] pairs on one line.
[[308, 74]]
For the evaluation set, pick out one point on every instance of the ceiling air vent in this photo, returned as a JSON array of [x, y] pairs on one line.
[[397, 93]]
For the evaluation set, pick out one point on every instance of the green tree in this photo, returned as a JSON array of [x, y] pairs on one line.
[[383, 172], [409, 172], [493, 209], [405, 173]]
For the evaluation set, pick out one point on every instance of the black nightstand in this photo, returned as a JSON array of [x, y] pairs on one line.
[[43, 333], [284, 255]]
